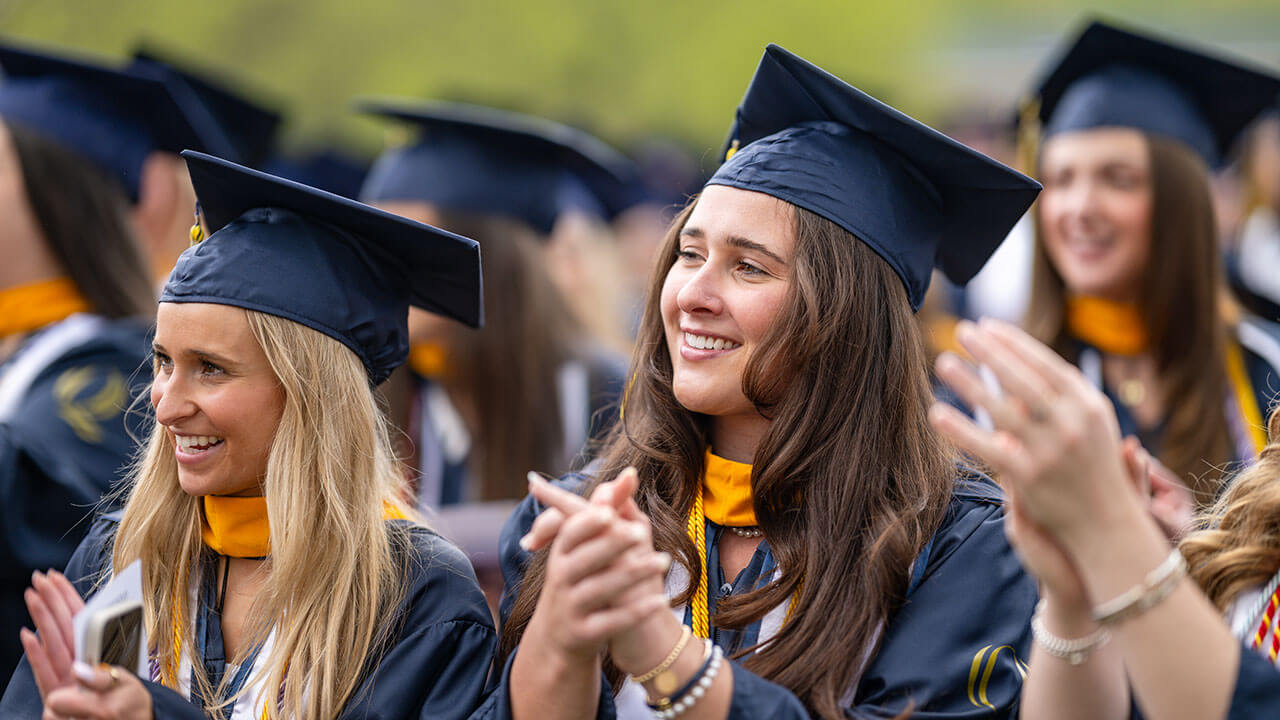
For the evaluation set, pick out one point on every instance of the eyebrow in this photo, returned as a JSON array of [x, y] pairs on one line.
[[202, 354], [738, 242]]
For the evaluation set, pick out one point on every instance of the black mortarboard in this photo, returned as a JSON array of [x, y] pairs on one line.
[[335, 265], [248, 127], [480, 160], [1116, 78], [915, 196], [113, 117]]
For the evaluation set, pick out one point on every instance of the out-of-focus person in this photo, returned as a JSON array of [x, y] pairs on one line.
[[78, 157], [533, 387], [1128, 283], [243, 128], [1255, 261]]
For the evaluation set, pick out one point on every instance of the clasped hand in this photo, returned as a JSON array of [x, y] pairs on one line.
[[604, 581]]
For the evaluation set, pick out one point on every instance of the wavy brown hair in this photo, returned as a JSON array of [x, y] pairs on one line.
[[849, 455], [1179, 300], [1239, 548]]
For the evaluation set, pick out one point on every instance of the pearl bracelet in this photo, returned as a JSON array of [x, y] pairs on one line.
[[690, 694], [1076, 650]]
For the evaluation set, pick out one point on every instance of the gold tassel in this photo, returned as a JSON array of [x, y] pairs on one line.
[[1028, 142]]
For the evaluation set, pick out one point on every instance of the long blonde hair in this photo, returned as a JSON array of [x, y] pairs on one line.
[[1240, 546], [329, 473]]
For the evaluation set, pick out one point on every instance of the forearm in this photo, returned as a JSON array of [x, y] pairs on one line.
[[547, 685], [1057, 690], [1180, 657]]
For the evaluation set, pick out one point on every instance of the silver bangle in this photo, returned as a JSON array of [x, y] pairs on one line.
[[698, 690], [1155, 587], [1076, 650]]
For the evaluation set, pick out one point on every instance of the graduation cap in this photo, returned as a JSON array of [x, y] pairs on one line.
[[332, 264], [481, 160], [115, 118], [248, 128], [328, 168], [1117, 78], [918, 198]]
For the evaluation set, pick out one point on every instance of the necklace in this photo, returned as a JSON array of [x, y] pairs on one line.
[[747, 532]]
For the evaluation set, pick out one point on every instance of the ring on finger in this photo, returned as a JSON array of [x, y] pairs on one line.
[[114, 672]]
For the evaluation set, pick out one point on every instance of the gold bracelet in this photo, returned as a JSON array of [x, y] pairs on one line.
[[685, 634]]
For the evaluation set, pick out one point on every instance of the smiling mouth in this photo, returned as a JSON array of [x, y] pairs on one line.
[[196, 444], [706, 342]]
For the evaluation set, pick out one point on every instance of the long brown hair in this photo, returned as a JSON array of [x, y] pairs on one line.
[[849, 482], [84, 218], [1179, 301], [508, 371], [1240, 547]]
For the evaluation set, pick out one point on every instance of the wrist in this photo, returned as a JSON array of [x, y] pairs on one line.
[[646, 645], [1118, 521], [1067, 617]]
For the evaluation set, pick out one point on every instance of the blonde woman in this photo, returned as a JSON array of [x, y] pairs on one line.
[[281, 578]]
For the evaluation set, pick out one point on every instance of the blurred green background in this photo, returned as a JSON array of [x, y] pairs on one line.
[[624, 70]]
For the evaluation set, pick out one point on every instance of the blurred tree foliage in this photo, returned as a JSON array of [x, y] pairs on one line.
[[622, 69]]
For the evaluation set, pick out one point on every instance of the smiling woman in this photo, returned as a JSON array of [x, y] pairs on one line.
[[1128, 281], [268, 443], [774, 531]]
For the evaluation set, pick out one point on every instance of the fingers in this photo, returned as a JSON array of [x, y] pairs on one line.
[[1017, 380], [99, 679], [56, 600], [544, 529], [611, 621], [601, 549], [995, 448], [554, 497], [618, 491], [1135, 462], [71, 596], [49, 633], [603, 589], [46, 679], [960, 377], [1057, 373]]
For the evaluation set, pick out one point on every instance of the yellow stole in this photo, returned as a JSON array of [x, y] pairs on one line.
[[32, 306], [1112, 327], [428, 360], [726, 499]]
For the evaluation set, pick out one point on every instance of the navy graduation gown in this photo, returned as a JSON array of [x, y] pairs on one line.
[[64, 436], [956, 649], [434, 666]]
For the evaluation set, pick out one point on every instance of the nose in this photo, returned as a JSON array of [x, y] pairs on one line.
[[701, 292], [171, 399], [1080, 203]]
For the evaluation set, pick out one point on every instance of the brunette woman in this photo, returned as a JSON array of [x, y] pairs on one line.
[[1128, 282], [530, 389], [828, 556], [268, 445]]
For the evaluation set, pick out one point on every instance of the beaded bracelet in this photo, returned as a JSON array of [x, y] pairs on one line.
[[1155, 587], [694, 690], [1075, 650]]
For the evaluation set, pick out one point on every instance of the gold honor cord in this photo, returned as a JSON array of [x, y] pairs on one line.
[[1245, 398], [701, 615]]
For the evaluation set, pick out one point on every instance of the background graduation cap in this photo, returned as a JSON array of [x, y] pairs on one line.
[[918, 198], [249, 128], [481, 160], [1114, 77], [113, 117], [332, 264]]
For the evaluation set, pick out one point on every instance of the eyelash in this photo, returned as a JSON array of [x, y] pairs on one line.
[[163, 363], [746, 267]]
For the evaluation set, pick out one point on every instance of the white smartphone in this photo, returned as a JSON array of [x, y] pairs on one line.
[[113, 635], [980, 414]]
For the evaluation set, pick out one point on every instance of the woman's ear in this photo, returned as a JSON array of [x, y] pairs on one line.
[[165, 206]]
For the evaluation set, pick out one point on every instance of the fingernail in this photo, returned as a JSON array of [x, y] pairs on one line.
[[636, 533], [82, 671], [526, 543], [664, 561], [534, 478]]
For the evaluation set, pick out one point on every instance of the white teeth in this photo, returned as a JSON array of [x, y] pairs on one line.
[[704, 342], [196, 443]]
